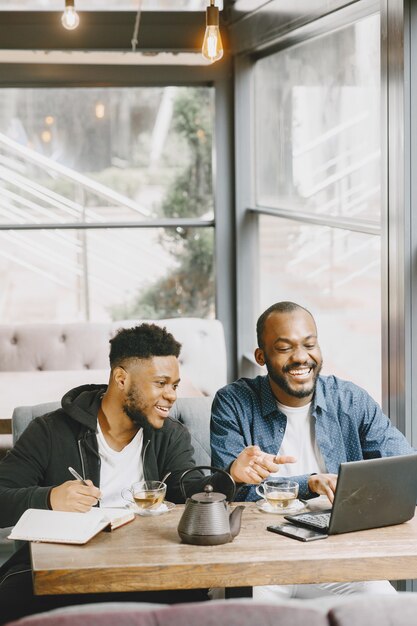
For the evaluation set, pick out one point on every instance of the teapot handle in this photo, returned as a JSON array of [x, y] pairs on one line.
[[213, 469]]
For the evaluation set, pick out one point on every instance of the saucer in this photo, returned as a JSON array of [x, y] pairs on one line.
[[165, 507], [295, 507]]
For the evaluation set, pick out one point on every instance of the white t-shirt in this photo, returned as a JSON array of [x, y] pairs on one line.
[[119, 469], [300, 441]]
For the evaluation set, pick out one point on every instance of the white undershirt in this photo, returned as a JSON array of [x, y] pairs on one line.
[[300, 441], [119, 469]]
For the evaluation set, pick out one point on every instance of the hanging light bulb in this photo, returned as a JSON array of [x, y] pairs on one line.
[[70, 19], [212, 49], [100, 110]]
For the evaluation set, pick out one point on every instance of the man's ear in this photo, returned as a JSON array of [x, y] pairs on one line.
[[259, 357], [119, 376]]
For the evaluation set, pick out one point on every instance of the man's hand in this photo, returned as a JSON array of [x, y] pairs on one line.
[[74, 496], [252, 465], [323, 484]]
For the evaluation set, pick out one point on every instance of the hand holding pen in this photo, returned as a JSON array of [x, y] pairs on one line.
[[80, 478], [74, 495], [77, 476]]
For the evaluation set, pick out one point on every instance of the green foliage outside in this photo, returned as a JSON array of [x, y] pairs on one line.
[[189, 289]]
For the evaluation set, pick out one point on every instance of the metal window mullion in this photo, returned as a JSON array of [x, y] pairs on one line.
[[369, 227], [247, 244], [224, 236], [167, 223]]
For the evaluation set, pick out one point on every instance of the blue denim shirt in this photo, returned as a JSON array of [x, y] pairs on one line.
[[349, 425]]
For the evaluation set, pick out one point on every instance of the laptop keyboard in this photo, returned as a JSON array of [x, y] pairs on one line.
[[319, 520]]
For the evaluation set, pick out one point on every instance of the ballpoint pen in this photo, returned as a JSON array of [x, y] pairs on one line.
[[77, 476]]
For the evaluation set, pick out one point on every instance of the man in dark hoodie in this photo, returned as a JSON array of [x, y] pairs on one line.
[[113, 435]]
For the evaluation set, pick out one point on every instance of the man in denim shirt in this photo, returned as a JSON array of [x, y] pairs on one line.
[[320, 421]]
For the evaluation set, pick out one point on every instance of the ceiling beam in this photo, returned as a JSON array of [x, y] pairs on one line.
[[58, 75], [104, 30]]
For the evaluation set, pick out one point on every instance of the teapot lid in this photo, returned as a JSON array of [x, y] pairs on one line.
[[208, 496]]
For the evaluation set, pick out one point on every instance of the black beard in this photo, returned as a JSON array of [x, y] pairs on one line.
[[282, 382], [137, 417], [131, 408]]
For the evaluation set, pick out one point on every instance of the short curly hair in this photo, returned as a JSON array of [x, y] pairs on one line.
[[142, 342]]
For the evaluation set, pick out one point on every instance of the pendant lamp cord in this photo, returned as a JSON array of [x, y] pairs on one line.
[[136, 28]]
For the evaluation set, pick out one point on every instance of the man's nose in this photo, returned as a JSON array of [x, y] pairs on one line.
[[300, 355], [170, 393]]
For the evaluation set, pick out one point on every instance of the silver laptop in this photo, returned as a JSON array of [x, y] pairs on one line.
[[369, 494]]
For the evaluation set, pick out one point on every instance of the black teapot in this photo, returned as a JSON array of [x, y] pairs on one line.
[[206, 520]]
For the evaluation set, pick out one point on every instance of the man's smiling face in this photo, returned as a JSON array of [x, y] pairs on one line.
[[292, 356], [151, 390]]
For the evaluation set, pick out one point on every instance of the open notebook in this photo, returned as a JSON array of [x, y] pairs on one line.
[[68, 527]]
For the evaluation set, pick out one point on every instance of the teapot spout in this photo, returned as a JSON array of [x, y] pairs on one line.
[[235, 519]]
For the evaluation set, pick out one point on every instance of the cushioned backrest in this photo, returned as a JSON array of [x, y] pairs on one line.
[[40, 347], [194, 413], [376, 610], [23, 415], [85, 345], [215, 613]]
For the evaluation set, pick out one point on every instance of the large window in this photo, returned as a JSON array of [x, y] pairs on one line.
[[318, 176], [122, 179], [336, 275]]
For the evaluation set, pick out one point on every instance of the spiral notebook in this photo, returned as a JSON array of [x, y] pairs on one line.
[[67, 527]]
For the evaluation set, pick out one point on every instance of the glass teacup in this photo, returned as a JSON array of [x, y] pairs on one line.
[[279, 493], [146, 494]]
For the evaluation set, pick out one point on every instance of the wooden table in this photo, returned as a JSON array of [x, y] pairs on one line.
[[5, 426], [147, 555]]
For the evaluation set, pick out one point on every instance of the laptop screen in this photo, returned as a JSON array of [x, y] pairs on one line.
[[374, 493]]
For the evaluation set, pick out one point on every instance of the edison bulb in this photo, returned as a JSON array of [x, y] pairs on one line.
[[70, 19], [212, 45], [100, 110], [212, 49]]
